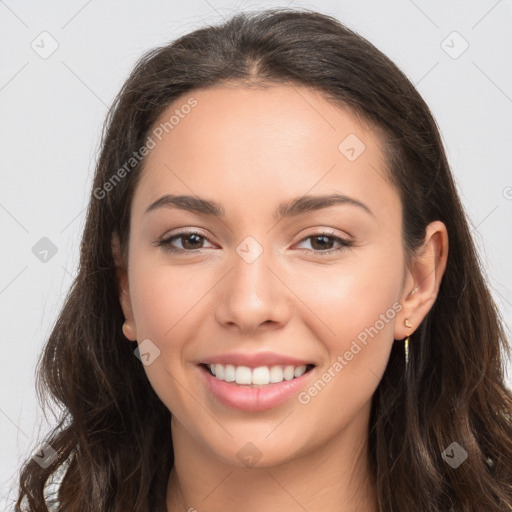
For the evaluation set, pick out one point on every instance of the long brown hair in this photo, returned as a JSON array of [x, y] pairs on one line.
[[113, 442]]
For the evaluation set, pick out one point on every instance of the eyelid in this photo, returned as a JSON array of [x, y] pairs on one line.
[[335, 233], [185, 231]]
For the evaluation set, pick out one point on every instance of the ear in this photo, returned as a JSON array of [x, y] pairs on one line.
[[129, 328], [423, 279]]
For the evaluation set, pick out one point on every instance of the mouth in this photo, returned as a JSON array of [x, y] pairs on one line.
[[254, 388]]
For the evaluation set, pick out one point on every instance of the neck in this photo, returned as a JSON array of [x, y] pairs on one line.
[[333, 477]]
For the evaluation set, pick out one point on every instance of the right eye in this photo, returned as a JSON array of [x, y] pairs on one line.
[[187, 238]]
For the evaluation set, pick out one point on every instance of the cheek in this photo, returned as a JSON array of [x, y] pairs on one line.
[[164, 299], [166, 304], [352, 296], [358, 305]]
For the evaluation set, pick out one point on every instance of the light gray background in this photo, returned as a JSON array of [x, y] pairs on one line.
[[52, 110]]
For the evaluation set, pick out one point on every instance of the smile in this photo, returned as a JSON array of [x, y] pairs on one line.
[[260, 376], [254, 389]]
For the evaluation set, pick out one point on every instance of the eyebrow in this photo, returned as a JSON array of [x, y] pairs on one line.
[[290, 208]]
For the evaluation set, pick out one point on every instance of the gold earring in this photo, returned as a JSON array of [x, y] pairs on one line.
[[408, 324], [406, 348]]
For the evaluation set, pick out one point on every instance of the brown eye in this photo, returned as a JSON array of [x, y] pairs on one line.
[[190, 242], [322, 243]]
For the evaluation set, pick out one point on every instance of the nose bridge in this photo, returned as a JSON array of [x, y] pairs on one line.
[[249, 295], [250, 275]]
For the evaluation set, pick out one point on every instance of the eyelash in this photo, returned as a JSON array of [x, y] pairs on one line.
[[166, 243]]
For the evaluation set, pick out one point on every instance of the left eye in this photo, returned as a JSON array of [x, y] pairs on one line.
[[321, 240]]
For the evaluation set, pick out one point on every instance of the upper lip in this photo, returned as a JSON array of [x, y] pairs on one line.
[[254, 360]]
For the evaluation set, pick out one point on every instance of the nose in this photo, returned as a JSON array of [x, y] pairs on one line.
[[252, 294]]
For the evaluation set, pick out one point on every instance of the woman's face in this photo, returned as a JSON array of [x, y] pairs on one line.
[[278, 275]]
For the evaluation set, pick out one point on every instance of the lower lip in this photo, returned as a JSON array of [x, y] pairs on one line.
[[253, 398]]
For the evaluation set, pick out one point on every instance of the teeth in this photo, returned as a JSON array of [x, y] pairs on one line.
[[300, 370], [276, 374], [242, 375], [219, 371], [229, 373], [259, 376], [288, 372]]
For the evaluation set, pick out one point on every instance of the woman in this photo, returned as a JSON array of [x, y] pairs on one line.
[[279, 304]]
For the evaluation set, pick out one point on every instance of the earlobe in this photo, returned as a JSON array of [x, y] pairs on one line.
[[129, 332], [423, 279]]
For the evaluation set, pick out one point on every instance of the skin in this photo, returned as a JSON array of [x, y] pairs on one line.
[[250, 149]]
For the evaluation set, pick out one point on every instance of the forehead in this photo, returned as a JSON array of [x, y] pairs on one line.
[[253, 141]]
